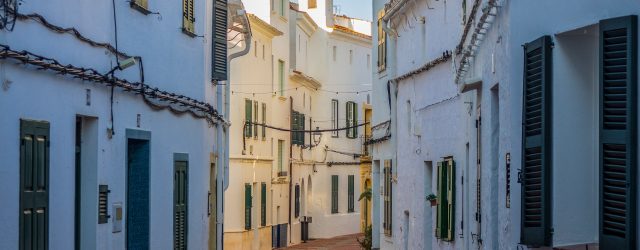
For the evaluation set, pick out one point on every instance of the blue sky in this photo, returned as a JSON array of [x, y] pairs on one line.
[[355, 8]]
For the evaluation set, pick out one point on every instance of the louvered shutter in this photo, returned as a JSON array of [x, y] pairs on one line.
[[347, 112], [354, 120], [219, 62], [334, 194], [188, 18], [247, 118], [263, 204], [301, 127], [618, 136], [451, 198], [536, 144], [180, 205], [350, 196], [247, 206], [297, 201], [440, 202]]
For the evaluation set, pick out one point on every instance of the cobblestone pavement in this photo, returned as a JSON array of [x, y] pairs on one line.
[[345, 242]]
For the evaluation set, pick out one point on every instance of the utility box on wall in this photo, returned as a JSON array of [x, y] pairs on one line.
[[117, 218]]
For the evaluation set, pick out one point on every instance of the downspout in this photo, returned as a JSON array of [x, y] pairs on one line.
[[224, 132], [290, 164]]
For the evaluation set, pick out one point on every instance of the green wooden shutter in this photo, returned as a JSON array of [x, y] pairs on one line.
[[451, 198], [263, 204], [347, 112], [255, 120], [247, 206], [247, 118], [440, 198], [34, 184], [264, 121], [219, 60], [334, 194], [297, 201], [443, 202], [350, 196], [536, 144], [618, 135], [301, 127], [180, 195], [354, 121]]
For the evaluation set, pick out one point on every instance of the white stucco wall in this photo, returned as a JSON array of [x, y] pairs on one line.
[[173, 62]]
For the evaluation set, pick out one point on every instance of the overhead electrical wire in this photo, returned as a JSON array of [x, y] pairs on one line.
[[296, 88]]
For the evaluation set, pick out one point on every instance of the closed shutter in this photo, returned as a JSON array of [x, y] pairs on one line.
[[451, 198], [263, 204], [247, 206], [180, 195], [297, 201], [34, 184], [388, 197], [350, 195], [618, 136], [441, 200], [219, 62], [188, 17], [334, 194], [536, 144], [247, 118]]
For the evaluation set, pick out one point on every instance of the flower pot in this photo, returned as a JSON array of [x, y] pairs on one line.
[[434, 202]]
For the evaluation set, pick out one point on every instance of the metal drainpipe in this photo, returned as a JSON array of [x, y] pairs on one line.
[[224, 133], [290, 164]]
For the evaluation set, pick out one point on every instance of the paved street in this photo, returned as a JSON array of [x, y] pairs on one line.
[[345, 242]]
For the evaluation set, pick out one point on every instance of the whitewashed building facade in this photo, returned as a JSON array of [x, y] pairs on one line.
[[100, 152], [537, 107]]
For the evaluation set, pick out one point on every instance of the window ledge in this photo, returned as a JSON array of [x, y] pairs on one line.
[[188, 33], [139, 8]]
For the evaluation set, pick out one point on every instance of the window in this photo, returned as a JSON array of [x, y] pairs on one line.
[[297, 201], [220, 63], [350, 195], [297, 123], [264, 121], [312, 4], [536, 147], [180, 200], [335, 51], [263, 204], [255, 120], [618, 135], [382, 45], [281, 171], [334, 117], [281, 77], [445, 219], [247, 206], [247, 118], [334, 194], [282, 7], [352, 120], [388, 197], [188, 17]]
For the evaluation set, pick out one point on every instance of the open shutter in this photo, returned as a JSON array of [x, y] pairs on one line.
[[264, 121], [188, 18], [618, 137], [297, 201], [443, 202], [180, 205], [219, 60], [247, 118], [263, 204], [536, 144], [440, 202], [247, 206], [347, 112], [334, 194], [301, 119], [354, 121]]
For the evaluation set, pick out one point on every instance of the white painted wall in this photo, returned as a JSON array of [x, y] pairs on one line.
[[173, 61]]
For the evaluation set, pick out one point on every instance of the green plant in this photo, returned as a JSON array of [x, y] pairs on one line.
[[366, 241], [432, 197], [365, 195]]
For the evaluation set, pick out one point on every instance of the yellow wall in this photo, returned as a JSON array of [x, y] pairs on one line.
[[244, 240]]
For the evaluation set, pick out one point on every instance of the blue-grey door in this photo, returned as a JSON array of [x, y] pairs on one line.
[[137, 194]]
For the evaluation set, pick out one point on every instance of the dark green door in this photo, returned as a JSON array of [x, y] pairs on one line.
[[138, 194], [34, 185]]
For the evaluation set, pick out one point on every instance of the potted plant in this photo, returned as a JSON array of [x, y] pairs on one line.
[[433, 199]]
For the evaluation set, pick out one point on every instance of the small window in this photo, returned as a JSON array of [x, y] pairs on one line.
[[313, 4], [188, 17], [335, 51]]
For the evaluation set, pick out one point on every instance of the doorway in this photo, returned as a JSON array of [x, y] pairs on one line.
[[212, 210], [138, 152], [86, 182]]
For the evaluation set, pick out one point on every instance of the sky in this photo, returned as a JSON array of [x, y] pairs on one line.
[[355, 8]]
